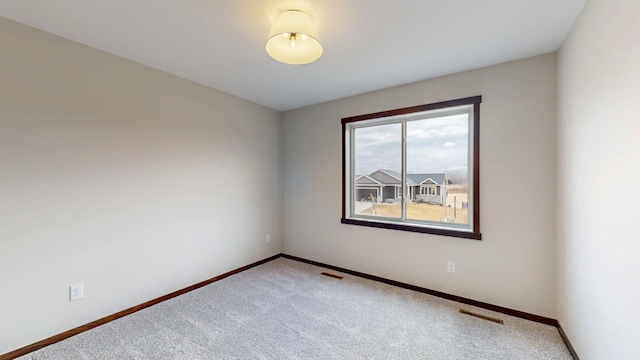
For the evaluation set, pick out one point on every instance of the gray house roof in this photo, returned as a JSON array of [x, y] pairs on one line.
[[365, 179], [423, 178], [387, 177], [390, 177]]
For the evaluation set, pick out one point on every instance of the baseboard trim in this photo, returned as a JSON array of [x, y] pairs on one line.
[[500, 309], [565, 338], [82, 328]]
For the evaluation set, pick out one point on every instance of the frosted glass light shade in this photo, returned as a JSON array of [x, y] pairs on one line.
[[293, 39]]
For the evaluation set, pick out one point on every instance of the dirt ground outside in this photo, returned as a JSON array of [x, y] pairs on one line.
[[426, 211]]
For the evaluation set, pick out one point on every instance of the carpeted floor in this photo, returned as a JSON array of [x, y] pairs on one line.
[[285, 309]]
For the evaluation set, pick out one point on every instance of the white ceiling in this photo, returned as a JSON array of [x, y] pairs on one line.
[[368, 44]]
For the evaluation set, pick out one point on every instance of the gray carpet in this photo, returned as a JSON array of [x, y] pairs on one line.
[[285, 309]]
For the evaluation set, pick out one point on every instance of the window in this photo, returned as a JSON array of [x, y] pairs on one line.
[[421, 166]]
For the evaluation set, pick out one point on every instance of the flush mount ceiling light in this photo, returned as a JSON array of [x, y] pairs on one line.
[[293, 39]]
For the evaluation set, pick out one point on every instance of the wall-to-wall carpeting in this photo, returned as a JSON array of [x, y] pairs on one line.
[[286, 309]]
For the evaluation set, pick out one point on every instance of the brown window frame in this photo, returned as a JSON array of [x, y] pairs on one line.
[[474, 232]]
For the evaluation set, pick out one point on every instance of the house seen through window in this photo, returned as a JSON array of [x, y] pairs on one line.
[[414, 169]]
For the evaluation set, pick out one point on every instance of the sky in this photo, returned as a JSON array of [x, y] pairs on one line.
[[433, 146]]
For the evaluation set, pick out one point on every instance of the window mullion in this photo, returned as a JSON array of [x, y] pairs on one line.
[[403, 172]]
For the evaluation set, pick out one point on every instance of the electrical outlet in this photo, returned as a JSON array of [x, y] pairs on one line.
[[76, 292], [268, 239], [451, 267]]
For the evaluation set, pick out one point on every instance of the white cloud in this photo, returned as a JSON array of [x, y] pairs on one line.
[[433, 145]]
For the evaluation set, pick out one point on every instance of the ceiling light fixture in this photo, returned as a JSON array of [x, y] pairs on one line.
[[293, 39]]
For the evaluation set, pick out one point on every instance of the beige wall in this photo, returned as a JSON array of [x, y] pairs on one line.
[[599, 177], [514, 264], [127, 179]]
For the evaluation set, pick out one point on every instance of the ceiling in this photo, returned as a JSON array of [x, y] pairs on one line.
[[368, 44]]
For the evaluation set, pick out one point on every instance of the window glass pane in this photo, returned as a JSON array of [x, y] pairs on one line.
[[437, 169], [377, 164]]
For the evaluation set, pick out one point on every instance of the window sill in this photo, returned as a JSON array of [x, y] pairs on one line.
[[412, 228]]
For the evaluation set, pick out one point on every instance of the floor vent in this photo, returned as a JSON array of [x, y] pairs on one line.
[[332, 275], [485, 317]]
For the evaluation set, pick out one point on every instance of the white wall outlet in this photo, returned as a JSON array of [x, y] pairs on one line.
[[268, 239], [451, 267], [76, 292]]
